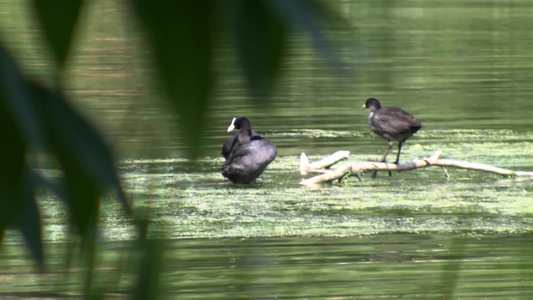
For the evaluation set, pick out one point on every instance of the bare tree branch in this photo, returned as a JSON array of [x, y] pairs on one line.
[[306, 166], [357, 168]]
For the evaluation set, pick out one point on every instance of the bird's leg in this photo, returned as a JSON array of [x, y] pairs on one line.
[[400, 144], [384, 159]]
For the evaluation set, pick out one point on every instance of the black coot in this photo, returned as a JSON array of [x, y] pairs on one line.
[[247, 154], [231, 142], [391, 123]]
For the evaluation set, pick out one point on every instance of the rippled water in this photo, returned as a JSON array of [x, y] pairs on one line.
[[386, 266], [463, 68]]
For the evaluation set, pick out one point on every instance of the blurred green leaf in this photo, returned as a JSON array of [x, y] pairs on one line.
[[77, 145], [150, 265], [20, 211], [18, 208], [16, 99], [261, 41], [86, 162], [83, 201], [179, 34], [29, 219], [88, 255], [308, 16], [58, 19], [2, 229], [450, 273]]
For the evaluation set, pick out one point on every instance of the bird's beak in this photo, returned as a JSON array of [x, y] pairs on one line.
[[363, 107], [232, 126]]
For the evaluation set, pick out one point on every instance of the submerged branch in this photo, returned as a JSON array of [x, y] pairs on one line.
[[357, 168]]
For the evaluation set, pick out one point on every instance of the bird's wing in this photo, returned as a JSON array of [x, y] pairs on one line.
[[394, 119]]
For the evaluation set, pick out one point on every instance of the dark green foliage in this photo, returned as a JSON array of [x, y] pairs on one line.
[[58, 19], [150, 267], [84, 158], [79, 147], [261, 42], [15, 100], [308, 16], [17, 202], [38, 118], [179, 34], [32, 115]]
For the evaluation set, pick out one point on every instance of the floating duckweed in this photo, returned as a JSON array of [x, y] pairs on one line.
[[190, 199]]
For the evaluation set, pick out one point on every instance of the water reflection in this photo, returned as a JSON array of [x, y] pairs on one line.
[[385, 266]]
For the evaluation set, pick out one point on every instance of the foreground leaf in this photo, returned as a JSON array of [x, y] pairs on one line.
[[74, 141], [17, 202], [16, 99], [58, 19], [309, 16], [179, 34], [261, 41], [29, 219], [150, 269], [86, 162]]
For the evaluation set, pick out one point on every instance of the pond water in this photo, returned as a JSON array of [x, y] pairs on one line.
[[463, 68], [385, 266]]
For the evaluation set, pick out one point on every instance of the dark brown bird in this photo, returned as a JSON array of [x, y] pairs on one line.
[[391, 123]]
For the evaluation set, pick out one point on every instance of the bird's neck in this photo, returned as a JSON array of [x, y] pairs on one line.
[[244, 135]]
